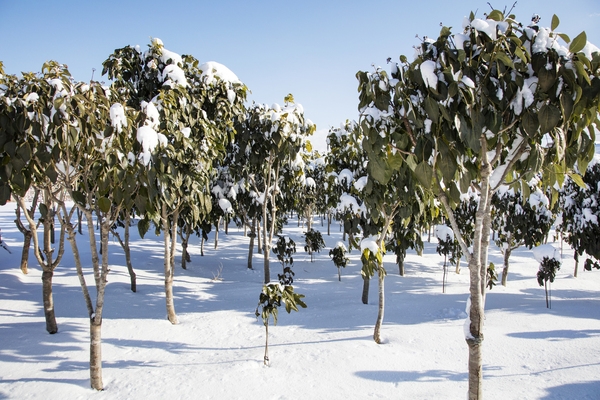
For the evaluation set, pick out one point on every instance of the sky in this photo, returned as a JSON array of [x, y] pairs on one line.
[[311, 49]]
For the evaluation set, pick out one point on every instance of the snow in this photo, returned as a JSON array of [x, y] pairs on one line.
[[545, 251], [173, 75], [216, 351], [117, 117], [213, 69], [225, 206], [428, 73], [361, 183], [369, 243], [443, 231]]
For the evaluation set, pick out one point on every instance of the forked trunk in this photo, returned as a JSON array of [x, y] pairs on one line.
[[96, 355]]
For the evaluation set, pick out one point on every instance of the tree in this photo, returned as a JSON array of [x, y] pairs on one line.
[[549, 260], [314, 242], [338, 255], [580, 215], [269, 139], [520, 220], [448, 247], [495, 104], [188, 114], [96, 173], [273, 293], [33, 124]]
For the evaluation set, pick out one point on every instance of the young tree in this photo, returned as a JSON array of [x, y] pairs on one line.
[[314, 242], [580, 215], [273, 293], [519, 220], [549, 260], [497, 103], [338, 255]]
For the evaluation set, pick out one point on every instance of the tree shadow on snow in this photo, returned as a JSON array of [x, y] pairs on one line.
[[582, 391], [413, 376]]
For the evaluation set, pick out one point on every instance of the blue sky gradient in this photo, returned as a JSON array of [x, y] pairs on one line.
[[311, 49]]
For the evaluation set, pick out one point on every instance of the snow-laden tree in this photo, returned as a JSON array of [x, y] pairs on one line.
[[579, 219], [188, 111], [99, 176], [268, 141], [344, 161], [520, 219], [34, 121], [494, 103]]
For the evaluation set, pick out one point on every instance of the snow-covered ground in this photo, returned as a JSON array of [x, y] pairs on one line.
[[324, 351]]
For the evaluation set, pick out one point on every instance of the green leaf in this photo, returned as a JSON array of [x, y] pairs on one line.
[[578, 180], [4, 194], [143, 226], [104, 204], [424, 174], [565, 37], [79, 198], [496, 15], [566, 102], [43, 210], [578, 43], [432, 109], [549, 117], [555, 22], [530, 123], [504, 59]]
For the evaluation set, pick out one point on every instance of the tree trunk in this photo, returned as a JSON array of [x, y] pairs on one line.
[[266, 358], [444, 275], [77, 258], [127, 250], [186, 232], [96, 355], [576, 257], [339, 274], [377, 332], [168, 266], [251, 245], [505, 269], [25, 253], [51, 325], [401, 267], [328, 224], [458, 265], [365, 291], [217, 232], [258, 239]]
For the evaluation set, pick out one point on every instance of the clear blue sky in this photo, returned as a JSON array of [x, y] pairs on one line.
[[311, 49]]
